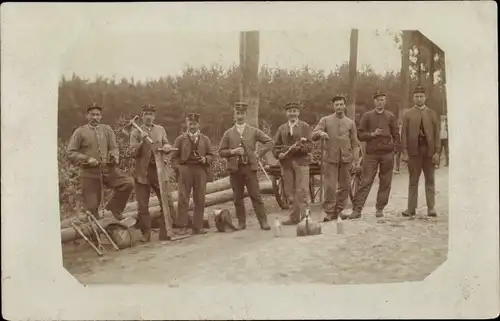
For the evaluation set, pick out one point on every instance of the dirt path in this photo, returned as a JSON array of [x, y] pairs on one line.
[[371, 250]]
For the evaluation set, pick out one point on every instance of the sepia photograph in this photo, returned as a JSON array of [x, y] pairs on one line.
[[251, 160], [256, 161]]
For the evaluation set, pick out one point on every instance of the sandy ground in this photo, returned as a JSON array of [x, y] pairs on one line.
[[370, 250]]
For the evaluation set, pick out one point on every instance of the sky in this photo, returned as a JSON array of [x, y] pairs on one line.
[[152, 55]]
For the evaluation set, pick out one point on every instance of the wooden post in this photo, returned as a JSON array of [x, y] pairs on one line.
[[445, 100], [353, 59], [405, 73], [249, 67]]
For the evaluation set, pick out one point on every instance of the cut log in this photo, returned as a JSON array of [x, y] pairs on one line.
[[212, 187], [69, 234]]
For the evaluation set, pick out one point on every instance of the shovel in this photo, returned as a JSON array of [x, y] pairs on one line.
[[308, 227]]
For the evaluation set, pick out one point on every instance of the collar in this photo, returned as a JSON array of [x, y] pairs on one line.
[[148, 127], [240, 126], [336, 116], [421, 108], [377, 112], [196, 134], [293, 123], [93, 127]]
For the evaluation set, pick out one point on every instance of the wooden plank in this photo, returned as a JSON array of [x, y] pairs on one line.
[[164, 189]]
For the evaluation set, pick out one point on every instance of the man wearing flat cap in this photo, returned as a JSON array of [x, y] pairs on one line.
[[192, 164], [421, 145], [145, 172], [238, 146], [293, 145], [378, 128], [93, 146], [341, 156]]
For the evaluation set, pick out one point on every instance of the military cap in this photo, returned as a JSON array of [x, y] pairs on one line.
[[148, 107], [292, 104], [93, 106], [193, 117], [240, 106], [419, 90], [378, 93], [338, 97]]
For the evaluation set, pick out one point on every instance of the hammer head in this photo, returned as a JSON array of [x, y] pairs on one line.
[[129, 124]]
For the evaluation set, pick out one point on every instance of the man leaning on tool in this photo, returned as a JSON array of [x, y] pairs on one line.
[[238, 147], [341, 157], [378, 128], [421, 145], [93, 146], [192, 164], [292, 146], [145, 172]]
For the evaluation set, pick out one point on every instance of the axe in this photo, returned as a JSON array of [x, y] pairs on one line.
[[132, 123]]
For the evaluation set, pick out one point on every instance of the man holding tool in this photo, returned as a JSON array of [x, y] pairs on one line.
[[93, 146], [191, 161], [378, 128], [341, 157], [145, 172], [238, 147], [292, 146], [421, 145]]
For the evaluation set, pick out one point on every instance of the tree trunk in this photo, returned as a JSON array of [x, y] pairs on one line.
[[353, 59], [405, 73], [249, 81], [69, 234], [217, 186]]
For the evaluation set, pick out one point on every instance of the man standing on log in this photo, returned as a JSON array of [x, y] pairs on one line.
[[238, 147], [93, 146], [421, 145], [145, 173], [378, 128], [341, 157], [294, 136], [192, 165]]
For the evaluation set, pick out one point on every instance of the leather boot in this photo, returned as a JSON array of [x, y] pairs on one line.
[[264, 224], [199, 231], [242, 224]]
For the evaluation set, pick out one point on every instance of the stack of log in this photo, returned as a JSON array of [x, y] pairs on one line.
[[217, 192]]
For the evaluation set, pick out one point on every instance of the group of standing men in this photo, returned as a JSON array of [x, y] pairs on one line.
[[418, 140], [93, 146]]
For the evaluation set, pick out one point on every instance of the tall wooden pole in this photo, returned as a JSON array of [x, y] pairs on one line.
[[249, 67], [405, 72], [353, 60]]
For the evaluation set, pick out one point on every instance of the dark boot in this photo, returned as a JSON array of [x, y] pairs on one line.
[[354, 215], [264, 224], [330, 217], [199, 231], [242, 224], [407, 213], [290, 221], [431, 212], [146, 236]]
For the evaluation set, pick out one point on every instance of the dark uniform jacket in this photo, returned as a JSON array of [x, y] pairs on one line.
[[84, 145], [343, 145], [143, 152], [283, 138], [184, 154], [251, 135], [385, 143], [415, 118]]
